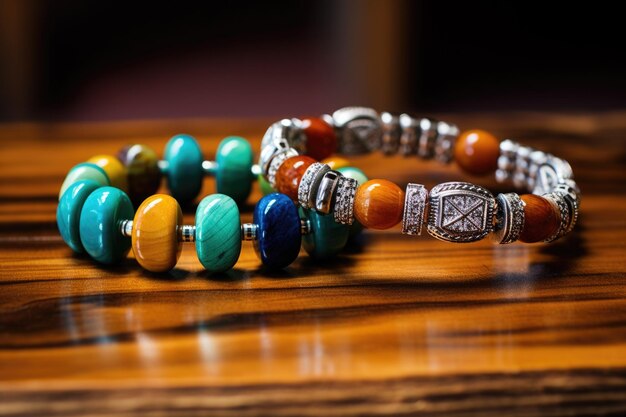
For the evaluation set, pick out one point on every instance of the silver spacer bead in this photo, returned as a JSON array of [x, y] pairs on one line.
[[307, 190], [564, 211], [447, 134], [428, 136], [326, 192], [126, 228], [305, 227], [187, 233], [509, 218], [344, 200], [410, 134], [415, 200], [276, 162], [358, 130], [209, 167], [509, 148], [391, 133], [249, 231]]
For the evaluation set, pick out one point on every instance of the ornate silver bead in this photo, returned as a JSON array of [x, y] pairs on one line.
[[344, 200], [415, 198], [276, 162], [427, 138], [359, 130], [326, 192], [460, 212], [447, 134], [410, 135], [564, 210], [307, 190], [391, 133], [509, 218]]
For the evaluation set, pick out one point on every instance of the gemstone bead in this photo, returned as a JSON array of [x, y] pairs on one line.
[[142, 169], [321, 140], [218, 233], [184, 167], [477, 151], [155, 233], [101, 216], [336, 162], [68, 212], [541, 219], [379, 204], [361, 178], [234, 168], [278, 237], [265, 186], [290, 173], [327, 238], [114, 170], [84, 171]]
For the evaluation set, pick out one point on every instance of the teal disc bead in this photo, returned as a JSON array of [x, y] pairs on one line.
[[100, 220], [234, 168], [218, 233], [184, 167], [84, 171], [361, 178], [68, 212], [326, 238]]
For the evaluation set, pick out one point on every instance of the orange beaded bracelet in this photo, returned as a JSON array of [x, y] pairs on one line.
[[453, 211]]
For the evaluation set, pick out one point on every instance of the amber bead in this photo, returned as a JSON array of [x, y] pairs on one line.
[[379, 204], [144, 176], [321, 140], [114, 170], [477, 151], [155, 233], [290, 173], [336, 162], [541, 219]]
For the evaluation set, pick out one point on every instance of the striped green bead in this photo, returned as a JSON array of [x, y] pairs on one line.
[[361, 178], [327, 238], [218, 233], [184, 167], [69, 209], [234, 168], [100, 219], [84, 171]]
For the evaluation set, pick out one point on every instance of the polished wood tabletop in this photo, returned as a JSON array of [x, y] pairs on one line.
[[397, 325]]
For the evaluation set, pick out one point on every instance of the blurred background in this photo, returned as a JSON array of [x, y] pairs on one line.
[[88, 60]]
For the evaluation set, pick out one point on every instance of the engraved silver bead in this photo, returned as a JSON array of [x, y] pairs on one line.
[[460, 212], [427, 138], [326, 192], [307, 190], [276, 162], [565, 215], [359, 130], [391, 133], [509, 218], [410, 135], [344, 200], [415, 199], [447, 135]]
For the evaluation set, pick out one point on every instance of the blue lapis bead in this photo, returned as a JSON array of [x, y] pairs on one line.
[[278, 235], [184, 167]]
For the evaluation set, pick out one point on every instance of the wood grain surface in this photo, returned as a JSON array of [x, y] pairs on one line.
[[398, 325]]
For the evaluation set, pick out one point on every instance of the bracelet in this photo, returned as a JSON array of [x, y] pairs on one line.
[[96, 216]]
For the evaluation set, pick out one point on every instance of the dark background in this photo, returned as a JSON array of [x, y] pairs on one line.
[[88, 60]]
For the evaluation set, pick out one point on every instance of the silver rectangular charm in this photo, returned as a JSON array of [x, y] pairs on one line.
[[415, 198]]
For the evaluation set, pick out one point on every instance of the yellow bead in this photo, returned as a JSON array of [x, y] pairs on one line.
[[155, 233], [336, 162], [114, 169]]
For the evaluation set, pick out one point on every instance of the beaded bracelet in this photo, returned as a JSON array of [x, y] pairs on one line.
[[95, 214]]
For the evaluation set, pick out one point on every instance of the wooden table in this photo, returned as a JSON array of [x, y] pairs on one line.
[[398, 325]]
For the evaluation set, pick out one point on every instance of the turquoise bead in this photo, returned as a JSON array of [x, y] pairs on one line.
[[184, 167], [234, 168], [100, 219], [361, 178], [327, 238], [218, 233], [84, 171], [68, 212]]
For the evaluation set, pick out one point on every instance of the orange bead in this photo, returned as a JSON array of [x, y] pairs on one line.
[[321, 141], [114, 169], [541, 219], [477, 151], [336, 162], [155, 233], [379, 204], [290, 173]]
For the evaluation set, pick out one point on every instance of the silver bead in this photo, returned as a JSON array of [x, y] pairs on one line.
[[564, 210], [505, 163], [269, 151], [415, 198], [126, 228], [502, 176], [428, 136], [187, 233], [344, 200], [391, 133], [307, 190], [409, 136], [326, 192], [359, 130], [447, 134], [276, 162], [249, 231], [520, 180], [549, 174], [288, 129], [509, 148], [460, 212], [305, 227], [509, 218]]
